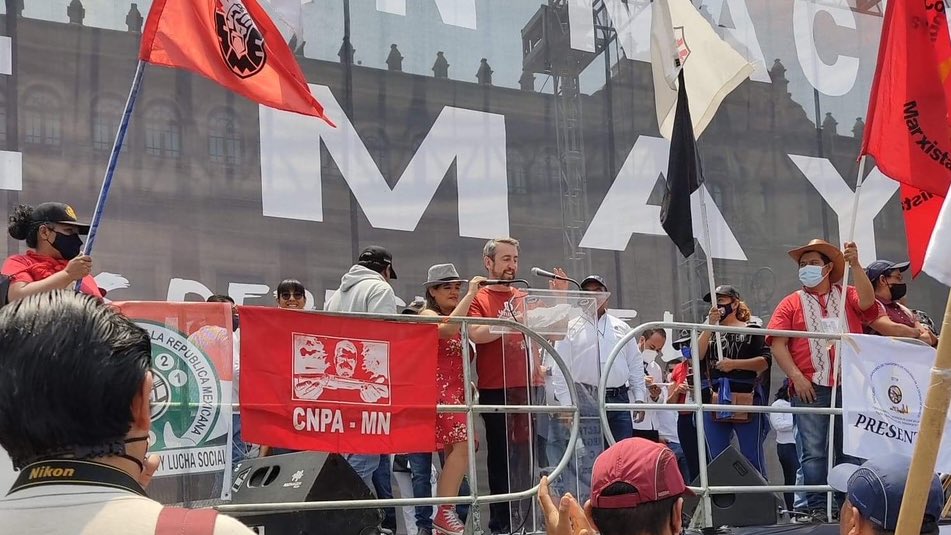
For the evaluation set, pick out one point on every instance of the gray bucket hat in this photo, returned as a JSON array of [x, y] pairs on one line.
[[441, 274]]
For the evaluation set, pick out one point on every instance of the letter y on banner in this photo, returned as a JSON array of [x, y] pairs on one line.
[[340, 385]]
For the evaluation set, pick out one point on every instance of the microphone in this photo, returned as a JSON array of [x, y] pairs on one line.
[[492, 282], [539, 272]]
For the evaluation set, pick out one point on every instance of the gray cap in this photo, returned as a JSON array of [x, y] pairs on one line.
[[441, 274]]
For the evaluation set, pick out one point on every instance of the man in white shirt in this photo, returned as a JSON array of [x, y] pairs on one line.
[[586, 349], [650, 345]]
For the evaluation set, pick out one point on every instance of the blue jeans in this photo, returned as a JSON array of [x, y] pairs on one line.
[[789, 460], [421, 472], [383, 485], [620, 422], [749, 435], [239, 450], [681, 460], [812, 438], [364, 466]]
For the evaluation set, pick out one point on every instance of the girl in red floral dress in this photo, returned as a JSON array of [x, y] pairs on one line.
[[443, 287]]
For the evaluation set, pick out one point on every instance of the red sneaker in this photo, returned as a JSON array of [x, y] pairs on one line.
[[447, 522]]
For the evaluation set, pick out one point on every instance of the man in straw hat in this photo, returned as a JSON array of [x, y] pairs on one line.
[[810, 363]]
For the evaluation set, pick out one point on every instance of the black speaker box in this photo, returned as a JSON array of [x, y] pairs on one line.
[[303, 477], [731, 468]]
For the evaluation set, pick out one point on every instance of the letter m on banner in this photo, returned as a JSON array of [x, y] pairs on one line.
[[471, 141], [339, 385]]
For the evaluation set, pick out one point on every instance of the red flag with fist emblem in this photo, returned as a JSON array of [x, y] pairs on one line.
[[232, 42], [344, 385]]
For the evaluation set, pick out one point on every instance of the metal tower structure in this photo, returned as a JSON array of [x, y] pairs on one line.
[[546, 50]]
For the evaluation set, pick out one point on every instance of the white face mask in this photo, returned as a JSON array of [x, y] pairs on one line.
[[649, 355]]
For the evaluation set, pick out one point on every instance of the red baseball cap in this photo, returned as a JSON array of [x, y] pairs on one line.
[[649, 467]]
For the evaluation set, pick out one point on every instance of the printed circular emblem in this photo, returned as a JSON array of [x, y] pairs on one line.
[[241, 44], [897, 394], [894, 394], [186, 391]]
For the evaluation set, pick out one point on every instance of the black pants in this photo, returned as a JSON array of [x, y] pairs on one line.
[[789, 460], [687, 433], [507, 460]]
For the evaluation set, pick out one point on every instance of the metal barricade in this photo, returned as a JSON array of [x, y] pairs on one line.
[[705, 490], [470, 408]]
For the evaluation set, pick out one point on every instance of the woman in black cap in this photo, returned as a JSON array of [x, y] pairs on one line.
[[53, 262], [739, 379]]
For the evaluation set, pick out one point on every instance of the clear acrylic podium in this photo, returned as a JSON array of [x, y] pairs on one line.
[[536, 443]]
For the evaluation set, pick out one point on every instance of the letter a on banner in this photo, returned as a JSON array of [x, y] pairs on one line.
[[342, 385]]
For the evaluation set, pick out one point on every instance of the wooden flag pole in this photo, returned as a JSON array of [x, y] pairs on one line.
[[930, 431]]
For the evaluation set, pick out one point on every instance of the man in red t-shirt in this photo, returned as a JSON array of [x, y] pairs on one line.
[[810, 363], [507, 375]]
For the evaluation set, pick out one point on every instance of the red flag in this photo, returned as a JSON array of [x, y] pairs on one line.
[[907, 129], [921, 211], [232, 42], [340, 385]]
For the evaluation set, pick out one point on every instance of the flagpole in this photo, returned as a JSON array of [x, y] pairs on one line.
[[934, 414], [708, 250], [113, 161], [843, 326]]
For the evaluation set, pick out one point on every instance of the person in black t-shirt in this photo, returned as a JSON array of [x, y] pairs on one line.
[[740, 373]]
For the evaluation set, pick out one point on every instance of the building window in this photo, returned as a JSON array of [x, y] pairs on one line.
[[107, 114], [224, 139], [41, 111], [163, 132]]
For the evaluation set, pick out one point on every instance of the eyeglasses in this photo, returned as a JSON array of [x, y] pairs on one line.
[[287, 295]]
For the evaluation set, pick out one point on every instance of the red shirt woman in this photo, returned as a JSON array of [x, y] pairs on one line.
[[54, 262]]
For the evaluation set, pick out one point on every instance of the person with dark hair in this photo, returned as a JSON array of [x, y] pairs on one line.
[[739, 378], [366, 288], [783, 423], [636, 489], [650, 345], [442, 298], [291, 294], [890, 289], [75, 418], [874, 492], [810, 363], [52, 232]]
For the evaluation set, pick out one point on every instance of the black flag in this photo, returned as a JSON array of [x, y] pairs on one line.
[[684, 176]]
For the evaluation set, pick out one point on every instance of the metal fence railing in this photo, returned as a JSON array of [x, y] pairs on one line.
[[705, 490], [471, 408]]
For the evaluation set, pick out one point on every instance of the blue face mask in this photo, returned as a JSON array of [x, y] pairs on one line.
[[811, 276]]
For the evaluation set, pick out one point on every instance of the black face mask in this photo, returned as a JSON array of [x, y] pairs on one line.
[[234, 322], [725, 310], [898, 290], [68, 245]]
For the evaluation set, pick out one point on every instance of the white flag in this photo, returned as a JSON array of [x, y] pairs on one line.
[[289, 18], [938, 258], [682, 38], [884, 386]]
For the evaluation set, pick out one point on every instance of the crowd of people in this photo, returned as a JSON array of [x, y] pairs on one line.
[[735, 369]]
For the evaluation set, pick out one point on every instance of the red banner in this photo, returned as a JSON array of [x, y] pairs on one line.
[[342, 385], [921, 210], [232, 42], [907, 129]]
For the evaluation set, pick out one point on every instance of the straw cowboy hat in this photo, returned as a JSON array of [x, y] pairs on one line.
[[830, 251]]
